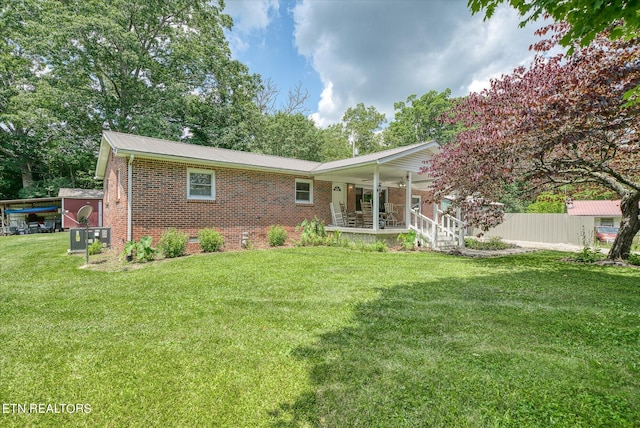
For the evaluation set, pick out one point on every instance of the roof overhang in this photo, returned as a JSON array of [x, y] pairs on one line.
[[392, 165]]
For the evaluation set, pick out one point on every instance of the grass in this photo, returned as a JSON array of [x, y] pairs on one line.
[[318, 337]]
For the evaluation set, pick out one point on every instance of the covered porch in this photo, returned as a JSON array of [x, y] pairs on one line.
[[376, 192]]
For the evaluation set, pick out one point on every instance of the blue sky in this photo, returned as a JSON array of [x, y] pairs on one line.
[[374, 51]]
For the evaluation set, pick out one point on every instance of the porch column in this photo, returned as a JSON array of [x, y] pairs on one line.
[[376, 199], [407, 201]]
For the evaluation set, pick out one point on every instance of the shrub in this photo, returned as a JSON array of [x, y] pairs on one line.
[[210, 240], [408, 240], [142, 250], [277, 236], [95, 248], [494, 243], [589, 255], [634, 259], [313, 232], [173, 243]]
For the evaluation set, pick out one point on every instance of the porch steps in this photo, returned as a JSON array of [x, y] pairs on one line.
[[444, 234]]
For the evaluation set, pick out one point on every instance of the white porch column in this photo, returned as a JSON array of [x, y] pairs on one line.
[[376, 199], [407, 201]]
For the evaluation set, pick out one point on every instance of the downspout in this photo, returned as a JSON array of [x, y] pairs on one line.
[[129, 196], [407, 200]]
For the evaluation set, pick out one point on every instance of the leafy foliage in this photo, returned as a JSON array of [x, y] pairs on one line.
[[313, 232], [494, 243], [362, 125], [141, 250], [173, 243], [95, 248], [421, 119], [586, 18], [408, 240], [210, 240], [290, 135], [277, 236], [548, 202], [560, 121]]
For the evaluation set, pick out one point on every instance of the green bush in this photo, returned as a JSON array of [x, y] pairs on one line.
[[277, 236], [210, 240], [494, 243], [313, 232], [141, 250], [173, 243], [634, 259], [589, 255], [95, 248], [408, 240]]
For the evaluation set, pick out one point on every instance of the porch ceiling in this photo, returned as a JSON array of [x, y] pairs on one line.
[[391, 171]]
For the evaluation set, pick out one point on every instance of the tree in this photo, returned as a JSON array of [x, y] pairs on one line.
[[420, 119], [587, 19], [363, 124], [560, 121], [335, 144], [154, 68], [69, 69], [290, 135]]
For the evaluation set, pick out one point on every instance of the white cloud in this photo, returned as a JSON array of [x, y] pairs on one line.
[[380, 52], [249, 16]]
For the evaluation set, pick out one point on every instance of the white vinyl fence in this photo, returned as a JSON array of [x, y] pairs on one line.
[[548, 228]]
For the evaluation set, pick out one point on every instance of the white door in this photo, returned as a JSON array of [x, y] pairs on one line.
[[339, 194]]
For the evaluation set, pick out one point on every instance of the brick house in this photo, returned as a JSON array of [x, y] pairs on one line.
[[151, 185]]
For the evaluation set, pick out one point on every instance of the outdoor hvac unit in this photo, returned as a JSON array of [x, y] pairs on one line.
[[79, 241]]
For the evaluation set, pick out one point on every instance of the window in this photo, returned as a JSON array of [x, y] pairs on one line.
[[606, 222], [304, 191], [201, 184]]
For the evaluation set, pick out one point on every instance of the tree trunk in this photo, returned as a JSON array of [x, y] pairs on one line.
[[629, 226], [27, 176]]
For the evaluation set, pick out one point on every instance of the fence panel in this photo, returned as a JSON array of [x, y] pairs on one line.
[[548, 228]]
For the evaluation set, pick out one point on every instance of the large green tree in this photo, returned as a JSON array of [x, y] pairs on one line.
[[290, 135], [69, 69], [363, 125], [420, 119]]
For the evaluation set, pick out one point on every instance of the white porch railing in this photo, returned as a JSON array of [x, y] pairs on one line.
[[444, 231]]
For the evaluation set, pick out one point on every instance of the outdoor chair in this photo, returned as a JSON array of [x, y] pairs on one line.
[[48, 226], [391, 212], [337, 218], [349, 219], [33, 227], [367, 214]]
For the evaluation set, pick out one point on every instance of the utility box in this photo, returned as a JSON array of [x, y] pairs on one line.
[[79, 241]]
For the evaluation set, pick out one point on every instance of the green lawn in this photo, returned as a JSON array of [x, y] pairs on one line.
[[318, 337]]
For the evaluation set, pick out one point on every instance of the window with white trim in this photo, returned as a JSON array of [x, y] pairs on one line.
[[304, 191], [201, 184]]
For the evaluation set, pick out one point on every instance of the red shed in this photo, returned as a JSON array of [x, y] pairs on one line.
[[74, 199]]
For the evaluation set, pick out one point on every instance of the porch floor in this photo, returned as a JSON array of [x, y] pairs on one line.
[[388, 230]]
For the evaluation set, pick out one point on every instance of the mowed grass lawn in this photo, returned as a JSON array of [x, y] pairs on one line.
[[317, 337]]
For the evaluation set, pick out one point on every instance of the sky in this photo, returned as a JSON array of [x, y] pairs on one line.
[[376, 52]]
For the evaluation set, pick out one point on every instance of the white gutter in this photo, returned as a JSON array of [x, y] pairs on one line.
[[129, 195]]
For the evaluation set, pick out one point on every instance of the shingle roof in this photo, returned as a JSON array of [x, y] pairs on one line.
[[595, 208], [155, 147], [147, 147]]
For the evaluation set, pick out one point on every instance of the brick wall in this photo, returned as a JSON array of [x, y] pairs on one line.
[[246, 201], [114, 213]]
